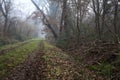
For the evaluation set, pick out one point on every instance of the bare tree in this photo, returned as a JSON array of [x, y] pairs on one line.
[[97, 11], [5, 6], [115, 20]]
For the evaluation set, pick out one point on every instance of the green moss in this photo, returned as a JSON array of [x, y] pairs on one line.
[[15, 44]]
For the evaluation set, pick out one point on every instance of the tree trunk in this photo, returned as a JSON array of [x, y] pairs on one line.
[[64, 14], [5, 27], [115, 21]]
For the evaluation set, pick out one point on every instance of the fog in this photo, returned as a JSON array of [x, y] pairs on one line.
[[25, 8]]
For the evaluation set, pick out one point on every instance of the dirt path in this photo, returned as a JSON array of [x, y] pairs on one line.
[[47, 63], [32, 69]]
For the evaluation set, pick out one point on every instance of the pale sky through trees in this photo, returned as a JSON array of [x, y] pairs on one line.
[[25, 7]]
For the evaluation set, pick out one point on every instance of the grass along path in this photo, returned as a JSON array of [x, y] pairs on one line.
[[15, 57], [7, 48]]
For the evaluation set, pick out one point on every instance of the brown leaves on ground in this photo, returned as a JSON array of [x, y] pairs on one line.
[[98, 53], [60, 66], [51, 63], [103, 51]]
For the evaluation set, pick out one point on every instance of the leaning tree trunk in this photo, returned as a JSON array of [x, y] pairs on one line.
[[45, 20]]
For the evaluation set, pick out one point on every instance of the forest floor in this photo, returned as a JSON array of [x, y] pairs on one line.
[[39, 60]]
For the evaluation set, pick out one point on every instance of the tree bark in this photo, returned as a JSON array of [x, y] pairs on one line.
[[64, 14], [115, 21]]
